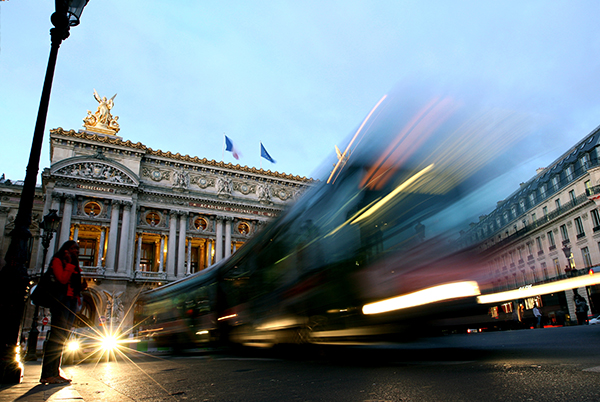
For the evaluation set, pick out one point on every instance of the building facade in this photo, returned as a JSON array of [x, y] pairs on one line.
[[548, 229], [142, 217]]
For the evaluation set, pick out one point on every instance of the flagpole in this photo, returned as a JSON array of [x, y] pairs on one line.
[[260, 154], [223, 152]]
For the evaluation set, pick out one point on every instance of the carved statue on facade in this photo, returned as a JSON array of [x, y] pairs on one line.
[[181, 179], [95, 171], [102, 121], [114, 307], [224, 186], [264, 192]]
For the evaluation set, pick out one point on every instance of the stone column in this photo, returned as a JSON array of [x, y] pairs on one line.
[[171, 245], [161, 254], [101, 245], [201, 254], [76, 231], [219, 239], [111, 250], [52, 247], [132, 224], [189, 256], [124, 243], [65, 229], [181, 249], [40, 249], [227, 223], [209, 248], [138, 254]]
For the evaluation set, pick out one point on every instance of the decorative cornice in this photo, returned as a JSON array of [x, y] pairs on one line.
[[177, 156], [98, 138]]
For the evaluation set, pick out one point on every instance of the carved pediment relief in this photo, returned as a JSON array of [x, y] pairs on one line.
[[244, 187], [203, 181], [97, 171], [283, 193], [156, 174]]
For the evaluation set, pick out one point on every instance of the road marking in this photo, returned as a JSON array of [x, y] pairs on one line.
[[594, 369]]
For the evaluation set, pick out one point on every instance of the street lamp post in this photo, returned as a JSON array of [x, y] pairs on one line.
[[50, 226], [14, 279], [568, 270]]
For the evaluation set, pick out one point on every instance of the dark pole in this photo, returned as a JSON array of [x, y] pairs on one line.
[[33, 333], [14, 280]]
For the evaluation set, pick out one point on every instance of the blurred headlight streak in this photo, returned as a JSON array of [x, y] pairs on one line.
[[344, 156], [407, 141], [391, 195], [546, 288], [434, 294]]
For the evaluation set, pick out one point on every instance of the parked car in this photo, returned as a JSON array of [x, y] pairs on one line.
[[595, 320]]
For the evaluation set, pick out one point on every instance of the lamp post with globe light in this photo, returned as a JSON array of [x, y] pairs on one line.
[[14, 280], [49, 226]]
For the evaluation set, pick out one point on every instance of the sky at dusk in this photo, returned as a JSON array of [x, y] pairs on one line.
[[297, 75]]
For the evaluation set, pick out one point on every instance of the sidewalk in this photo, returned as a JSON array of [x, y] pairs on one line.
[[85, 387], [30, 389]]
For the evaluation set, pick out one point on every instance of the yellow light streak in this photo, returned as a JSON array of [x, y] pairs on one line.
[[345, 155], [226, 317], [392, 194], [334, 231], [536, 290], [433, 294]]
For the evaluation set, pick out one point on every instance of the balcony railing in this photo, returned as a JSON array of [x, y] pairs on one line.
[[93, 271], [150, 276]]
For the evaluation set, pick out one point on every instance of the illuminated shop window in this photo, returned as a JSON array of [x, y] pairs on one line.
[[200, 224], [152, 218], [243, 228], [92, 209]]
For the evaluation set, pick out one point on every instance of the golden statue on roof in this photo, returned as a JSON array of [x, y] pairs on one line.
[[101, 121]]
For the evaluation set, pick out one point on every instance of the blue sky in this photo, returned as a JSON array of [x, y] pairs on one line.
[[297, 75]]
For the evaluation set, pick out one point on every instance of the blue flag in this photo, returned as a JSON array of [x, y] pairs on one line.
[[265, 154]]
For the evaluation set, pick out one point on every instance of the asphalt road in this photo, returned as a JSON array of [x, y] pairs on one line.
[[552, 364]]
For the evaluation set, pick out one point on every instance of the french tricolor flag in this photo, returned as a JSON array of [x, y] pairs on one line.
[[231, 148]]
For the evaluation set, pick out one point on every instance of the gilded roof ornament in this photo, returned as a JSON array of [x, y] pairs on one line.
[[102, 121]]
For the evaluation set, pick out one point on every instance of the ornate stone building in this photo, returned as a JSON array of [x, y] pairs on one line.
[[10, 196], [145, 217], [549, 228]]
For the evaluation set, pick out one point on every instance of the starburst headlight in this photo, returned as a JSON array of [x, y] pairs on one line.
[[109, 342], [73, 346]]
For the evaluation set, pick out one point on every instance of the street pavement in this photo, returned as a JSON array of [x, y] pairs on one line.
[[555, 364], [30, 389]]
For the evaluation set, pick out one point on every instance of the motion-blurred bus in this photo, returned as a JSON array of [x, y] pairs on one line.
[[371, 252]]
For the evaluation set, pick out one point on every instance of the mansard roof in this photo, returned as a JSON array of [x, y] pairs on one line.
[[572, 157], [574, 153], [149, 152]]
